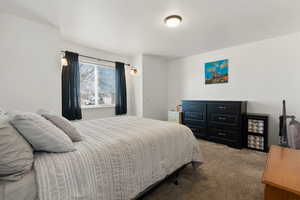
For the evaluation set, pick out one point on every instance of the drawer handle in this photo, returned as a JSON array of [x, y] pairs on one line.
[[222, 134], [222, 118], [222, 107]]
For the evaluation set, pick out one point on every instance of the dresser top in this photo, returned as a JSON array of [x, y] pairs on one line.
[[258, 114], [283, 169], [217, 101]]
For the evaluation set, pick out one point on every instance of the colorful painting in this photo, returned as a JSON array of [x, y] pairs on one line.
[[216, 72]]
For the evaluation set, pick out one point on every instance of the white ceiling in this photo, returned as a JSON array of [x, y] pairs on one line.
[[136, 26]]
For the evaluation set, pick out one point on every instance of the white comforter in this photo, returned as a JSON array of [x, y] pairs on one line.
[[118, 158]]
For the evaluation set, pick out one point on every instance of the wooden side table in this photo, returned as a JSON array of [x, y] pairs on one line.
[[282, 174]]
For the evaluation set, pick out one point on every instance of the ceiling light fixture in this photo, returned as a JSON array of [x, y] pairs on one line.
[[173, 21]]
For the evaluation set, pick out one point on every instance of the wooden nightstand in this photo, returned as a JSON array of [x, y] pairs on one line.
[[282, 174]]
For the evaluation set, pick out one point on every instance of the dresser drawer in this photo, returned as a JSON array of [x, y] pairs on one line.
[[234, 108], [224, 119], [193, 106], [223, 134], [194, 123], [199, 116]]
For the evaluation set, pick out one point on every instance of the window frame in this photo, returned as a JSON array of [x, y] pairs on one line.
[[97, 65]]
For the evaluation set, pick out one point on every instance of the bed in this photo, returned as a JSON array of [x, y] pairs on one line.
[[118, 159]]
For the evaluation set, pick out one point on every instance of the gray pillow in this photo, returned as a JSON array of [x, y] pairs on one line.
[[42, 134], [16, 155], [63, 124]]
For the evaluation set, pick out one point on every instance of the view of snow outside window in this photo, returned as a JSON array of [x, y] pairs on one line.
[[97, 85]]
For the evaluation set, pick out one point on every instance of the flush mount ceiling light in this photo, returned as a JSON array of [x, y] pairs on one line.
[[173, 21]]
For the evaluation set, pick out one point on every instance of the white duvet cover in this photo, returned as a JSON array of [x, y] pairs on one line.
[[118, 158]]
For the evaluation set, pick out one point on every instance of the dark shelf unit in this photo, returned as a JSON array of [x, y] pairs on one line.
[[256, 131]]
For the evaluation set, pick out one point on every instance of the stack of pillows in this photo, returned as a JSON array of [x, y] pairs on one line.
[[22, 134]]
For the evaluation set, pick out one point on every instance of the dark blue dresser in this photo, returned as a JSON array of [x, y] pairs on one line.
[[218, 121]]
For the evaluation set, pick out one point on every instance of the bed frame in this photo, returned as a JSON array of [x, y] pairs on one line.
[[174, 176]]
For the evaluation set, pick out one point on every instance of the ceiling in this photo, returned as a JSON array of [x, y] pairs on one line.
[[136, 26]]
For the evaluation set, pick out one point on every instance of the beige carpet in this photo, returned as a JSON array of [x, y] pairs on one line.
[[227, 174]]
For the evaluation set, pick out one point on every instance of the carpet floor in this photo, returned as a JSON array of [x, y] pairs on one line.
[[227, 174]]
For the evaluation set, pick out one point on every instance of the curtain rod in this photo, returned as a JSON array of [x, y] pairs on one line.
[[98, 59]]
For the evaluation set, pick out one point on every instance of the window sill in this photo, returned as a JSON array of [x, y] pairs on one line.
[[97, 106]]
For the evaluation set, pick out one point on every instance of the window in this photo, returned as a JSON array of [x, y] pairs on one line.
[[97, 85]]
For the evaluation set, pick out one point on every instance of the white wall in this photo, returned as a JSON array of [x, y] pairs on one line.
[[155, 87], [149, 87], [29, 68], [264, 73], [30, 71], [137, 86]]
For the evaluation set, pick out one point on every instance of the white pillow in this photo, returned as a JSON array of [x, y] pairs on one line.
[[16, 155], [42, 134], [63, 124]]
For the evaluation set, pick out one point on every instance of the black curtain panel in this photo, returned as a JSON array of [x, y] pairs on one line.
[[121, 97], [71, 88]]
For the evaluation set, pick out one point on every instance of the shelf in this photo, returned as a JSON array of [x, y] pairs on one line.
[[256, 134], [256, 121], [265, 151]]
